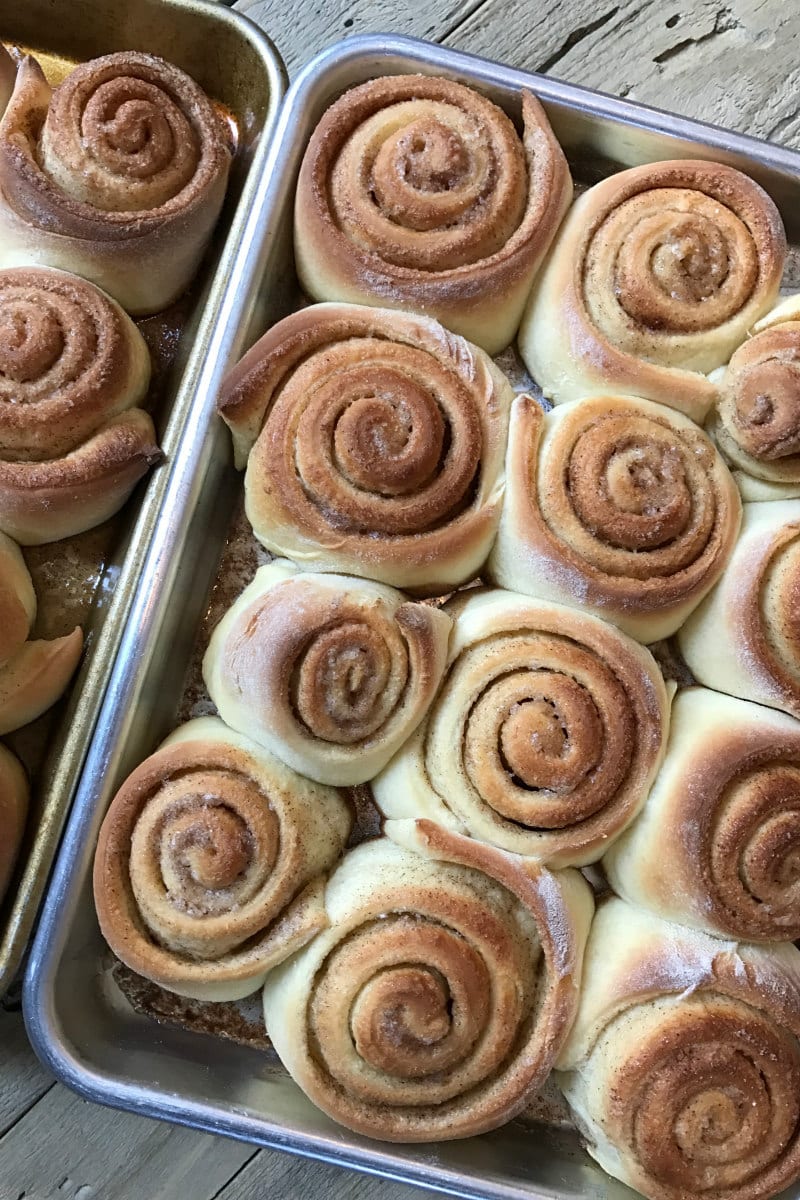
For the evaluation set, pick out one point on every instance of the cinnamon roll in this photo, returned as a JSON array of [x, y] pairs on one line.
[[417, 192], [617, 506], [654, 279], [716, 845], [73, 368], [13, 810], [331, 674], [442, 992], [544, 737], [117, 175], [683, 1067], [35, 677], [379, 443], [17, 598], [756, 422], [210, 863], [742, 639]]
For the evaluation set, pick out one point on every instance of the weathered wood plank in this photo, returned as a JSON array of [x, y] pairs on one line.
[[67, 1149], [23, 1080], [281, 1177], [735, 64]]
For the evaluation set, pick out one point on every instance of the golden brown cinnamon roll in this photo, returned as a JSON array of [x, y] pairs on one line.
[[654, 279], [743, 638], [716, 845], [117, 175], [756, 422], [379, 443], [13, 810], [417, 192], [544, 737], [442, 992], [331, 674], [210, 863], [683, 1067], [617, 506], [73, 367], [35, 677]]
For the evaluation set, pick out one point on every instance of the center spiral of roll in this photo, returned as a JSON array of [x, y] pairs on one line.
[[545, 732], [122, 134], [349, 678], [763, 393], [674, 259], [710, 1100], [755, 859], [406, 1010], [431, 183], [202, 848], [388, 448], [640, 501], [32, 340]]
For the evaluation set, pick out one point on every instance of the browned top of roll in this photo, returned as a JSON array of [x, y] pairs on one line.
[[125, 142], [69, 360], [421, 184]]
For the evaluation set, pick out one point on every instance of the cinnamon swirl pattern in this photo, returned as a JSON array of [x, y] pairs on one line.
[[13, 809], [655, 278], [683, 1067], [73, 368], [118, 175], [329, 673], [743, 639], [756, 423], [716, 845], [544, 738], [622, 508], [416, 192], [442, 992], [210, 861], [379, 444]]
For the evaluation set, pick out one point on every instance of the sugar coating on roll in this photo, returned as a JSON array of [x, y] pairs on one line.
[[210, 863], [717, 843], [73, 369], [683, 1066], [118, 175], [417, 192], [330, 673], [14, 797], [654, 279], [617, 506], [544, 738], [743, 639], [376, 442], [756, 422], [442, 992]]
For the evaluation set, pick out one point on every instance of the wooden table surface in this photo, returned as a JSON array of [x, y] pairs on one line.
[[737, 64]]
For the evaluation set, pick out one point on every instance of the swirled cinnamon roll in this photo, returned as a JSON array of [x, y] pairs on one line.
[[654, 279], [117, 175], [416, 192], [544, 738], [210, 863], [440, 995], [17, 598], [330, 673], [379, 443], [33, 678], [743, 638], [73, 368], [683, 1067], [13, 810], [756, 422], [618, 506], [716, 845]]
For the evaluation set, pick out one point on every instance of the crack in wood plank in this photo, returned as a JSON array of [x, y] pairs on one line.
[[575, 38], [724, 23]]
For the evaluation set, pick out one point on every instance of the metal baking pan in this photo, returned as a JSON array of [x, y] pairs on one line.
[[78, 1020], [239, 68]]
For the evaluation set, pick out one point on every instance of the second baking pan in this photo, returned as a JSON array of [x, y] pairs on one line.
[[238, 67], [79, 1021]]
